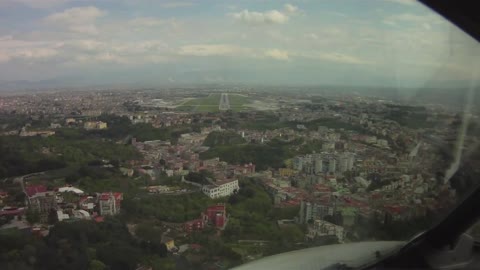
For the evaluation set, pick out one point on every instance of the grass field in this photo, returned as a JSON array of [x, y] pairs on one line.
[[210, 103]]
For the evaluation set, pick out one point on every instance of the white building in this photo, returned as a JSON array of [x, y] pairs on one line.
[[324, 228], [71, 189], [345, 162], [332, 165], [221, 189]]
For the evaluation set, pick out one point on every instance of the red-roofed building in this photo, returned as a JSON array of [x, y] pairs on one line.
[[99, 219], [34, 189], [194, 225], [41, 200], [109, 203], [12, 211], [216, 215]]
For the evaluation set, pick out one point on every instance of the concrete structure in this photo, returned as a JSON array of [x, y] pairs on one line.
[[109, 203], [71, 189], [95, 125], [194, 225], [41, 200], [221, 189], [324, 228], [314, 210], [345, 162], [216, 216], [332, 165]]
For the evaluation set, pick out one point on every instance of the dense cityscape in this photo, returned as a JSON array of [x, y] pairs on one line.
[[211, 177], [253, 134]]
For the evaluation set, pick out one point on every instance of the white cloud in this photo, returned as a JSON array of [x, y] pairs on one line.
[[145, 22], [87, 45], [268, 17], [277, 54], [290, 8], [11, 48], [413, 19], [333, 57], [213, 50], [78, 19], [35, 3], [177, 4], [403, 2], [36, 53], [312, 36]]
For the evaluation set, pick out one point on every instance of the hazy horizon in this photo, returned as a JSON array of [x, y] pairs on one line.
[[394, 43]]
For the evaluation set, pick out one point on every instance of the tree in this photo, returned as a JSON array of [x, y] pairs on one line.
[[52, 216], [96, 265], [162, 162], [33, 216]]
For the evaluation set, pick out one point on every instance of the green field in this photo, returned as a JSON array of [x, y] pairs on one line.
[[211, 102]]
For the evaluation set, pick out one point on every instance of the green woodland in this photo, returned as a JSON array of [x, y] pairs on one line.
[[81, 245]]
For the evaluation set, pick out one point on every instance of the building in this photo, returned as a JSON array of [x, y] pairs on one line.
[[345, 162], [314, 210], [43, 203], [322, 228], [216, 216], [41, 200], [286, 172], [221, 189], [43, 133], [109, 203], [95, 125], [332, 165], [169, 243], [87, 203], [194, 225]]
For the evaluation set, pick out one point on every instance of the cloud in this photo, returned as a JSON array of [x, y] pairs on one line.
[[145, 22], [213, 50], [277, 54], [290, 8], [35, 3], [404, 2], [312, 36], [11, 49], [411, 18], [177, 4], [333, 57], [253, 17], [78, 19]]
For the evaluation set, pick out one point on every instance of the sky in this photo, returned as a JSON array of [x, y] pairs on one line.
[[370, 42]]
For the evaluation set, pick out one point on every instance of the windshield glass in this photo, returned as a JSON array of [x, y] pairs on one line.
[[209, 134]]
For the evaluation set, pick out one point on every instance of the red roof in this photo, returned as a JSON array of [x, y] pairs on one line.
[[397, 209], [12, 212], [106, 196], [99, 219], [195, 246], [117, 195], [32, 190], [216, 208], [83, 199]]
